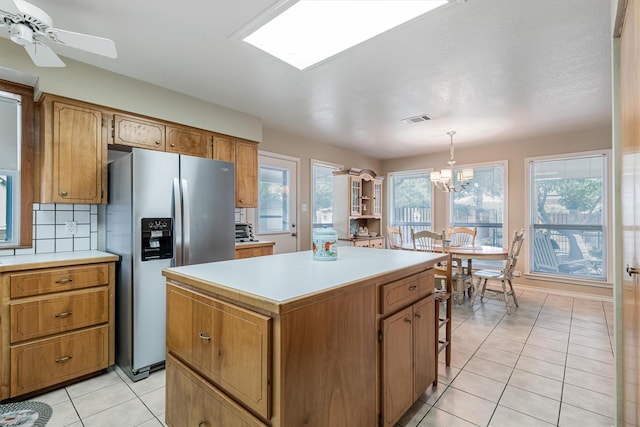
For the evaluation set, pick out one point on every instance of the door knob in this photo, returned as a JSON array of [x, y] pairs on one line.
[[632, 270]]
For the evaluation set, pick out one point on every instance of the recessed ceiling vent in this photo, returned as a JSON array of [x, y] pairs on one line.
[[415, 119]]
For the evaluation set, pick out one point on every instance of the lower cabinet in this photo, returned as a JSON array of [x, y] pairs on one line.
[[376, 242], [58, 322], [251, 250]]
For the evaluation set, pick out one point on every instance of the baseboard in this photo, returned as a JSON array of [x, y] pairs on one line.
[[563, 293]]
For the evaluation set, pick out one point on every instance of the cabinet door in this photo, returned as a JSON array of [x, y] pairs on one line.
[[377, 198], [78, 155], [224, 148], [424, 342], [193, 402], [228, 345], [246, 174], [188, 141], [397, 365], [138, 132], [355, 203]]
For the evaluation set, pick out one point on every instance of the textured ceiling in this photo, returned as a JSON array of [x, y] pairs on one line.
[[488, 69]]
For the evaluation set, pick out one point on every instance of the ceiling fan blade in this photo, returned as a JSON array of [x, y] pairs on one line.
[[43, 56], [93, 44], [9, 6]]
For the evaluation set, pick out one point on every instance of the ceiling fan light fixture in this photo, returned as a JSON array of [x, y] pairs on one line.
[[21, 34]]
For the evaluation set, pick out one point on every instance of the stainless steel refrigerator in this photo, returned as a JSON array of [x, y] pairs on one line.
[[164, 210]]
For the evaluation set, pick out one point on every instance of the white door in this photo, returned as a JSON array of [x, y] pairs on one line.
[[276, 217]]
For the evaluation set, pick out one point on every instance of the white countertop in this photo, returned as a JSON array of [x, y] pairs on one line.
[[20, 261], [284, 277]]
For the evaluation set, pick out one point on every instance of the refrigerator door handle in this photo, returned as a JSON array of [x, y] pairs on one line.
[[186, 226], [177, 215]]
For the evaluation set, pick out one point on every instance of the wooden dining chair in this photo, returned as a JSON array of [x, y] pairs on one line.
[[462, 236], [504, 275], [394, 237]]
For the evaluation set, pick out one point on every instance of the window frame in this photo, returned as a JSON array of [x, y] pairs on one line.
[[607, 227], [312, 164], [26, 166], [406, 236], [505, 202]]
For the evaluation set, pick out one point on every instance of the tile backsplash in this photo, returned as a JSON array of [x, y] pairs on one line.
[[50, 232]]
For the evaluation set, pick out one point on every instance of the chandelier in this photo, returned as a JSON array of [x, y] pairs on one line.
[[444, 179]]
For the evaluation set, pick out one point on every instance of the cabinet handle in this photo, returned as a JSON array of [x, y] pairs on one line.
[[407, 319], [419, 315], [65, 280], [157, 142], [204, 337], [173, 145], [413, 288], [203, 423], [63, 193], [63, 359], [65, 314], [241, 200]]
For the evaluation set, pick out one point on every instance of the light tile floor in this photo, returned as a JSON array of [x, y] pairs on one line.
[[548, 363]]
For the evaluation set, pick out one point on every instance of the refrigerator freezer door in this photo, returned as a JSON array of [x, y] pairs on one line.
[[153, 174], [209, 228]]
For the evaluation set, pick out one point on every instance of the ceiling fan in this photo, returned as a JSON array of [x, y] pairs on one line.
[[30, 26]]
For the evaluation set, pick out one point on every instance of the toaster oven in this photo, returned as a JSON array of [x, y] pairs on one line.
[[244, 232]]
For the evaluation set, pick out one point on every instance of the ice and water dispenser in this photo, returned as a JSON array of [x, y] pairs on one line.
[[157, 238]]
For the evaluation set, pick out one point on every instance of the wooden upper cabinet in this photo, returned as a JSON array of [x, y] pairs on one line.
[[224, 148], [245, 155], [188, 141], [246, 174], [72, 154], [138, 132]]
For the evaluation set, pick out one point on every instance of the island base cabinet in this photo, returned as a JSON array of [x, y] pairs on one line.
[[408, 357], [192, 401]]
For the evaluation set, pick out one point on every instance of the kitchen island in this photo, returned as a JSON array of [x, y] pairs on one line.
[[288, 341]]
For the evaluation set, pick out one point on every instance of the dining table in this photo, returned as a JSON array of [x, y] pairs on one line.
[[461, 258]]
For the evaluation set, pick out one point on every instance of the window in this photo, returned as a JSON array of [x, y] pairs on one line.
[[322, 193], [482, 205], [10, 143], [568, 216], [273, 202], [410, 205]]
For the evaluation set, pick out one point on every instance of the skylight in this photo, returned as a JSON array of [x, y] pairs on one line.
[[312, 30]]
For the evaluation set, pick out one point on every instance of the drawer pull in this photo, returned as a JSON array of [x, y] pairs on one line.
[[407, 319], [413, 288], [65, 314], [63, 193], [65, 280], [63, 359], [203, 423], [203, 337]]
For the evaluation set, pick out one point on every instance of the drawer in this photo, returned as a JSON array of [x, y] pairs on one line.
[[60, 313], [191, 401], [50, 280], [228, 345], [376, 243], [399, 294], [361, 243], [51, 361]]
